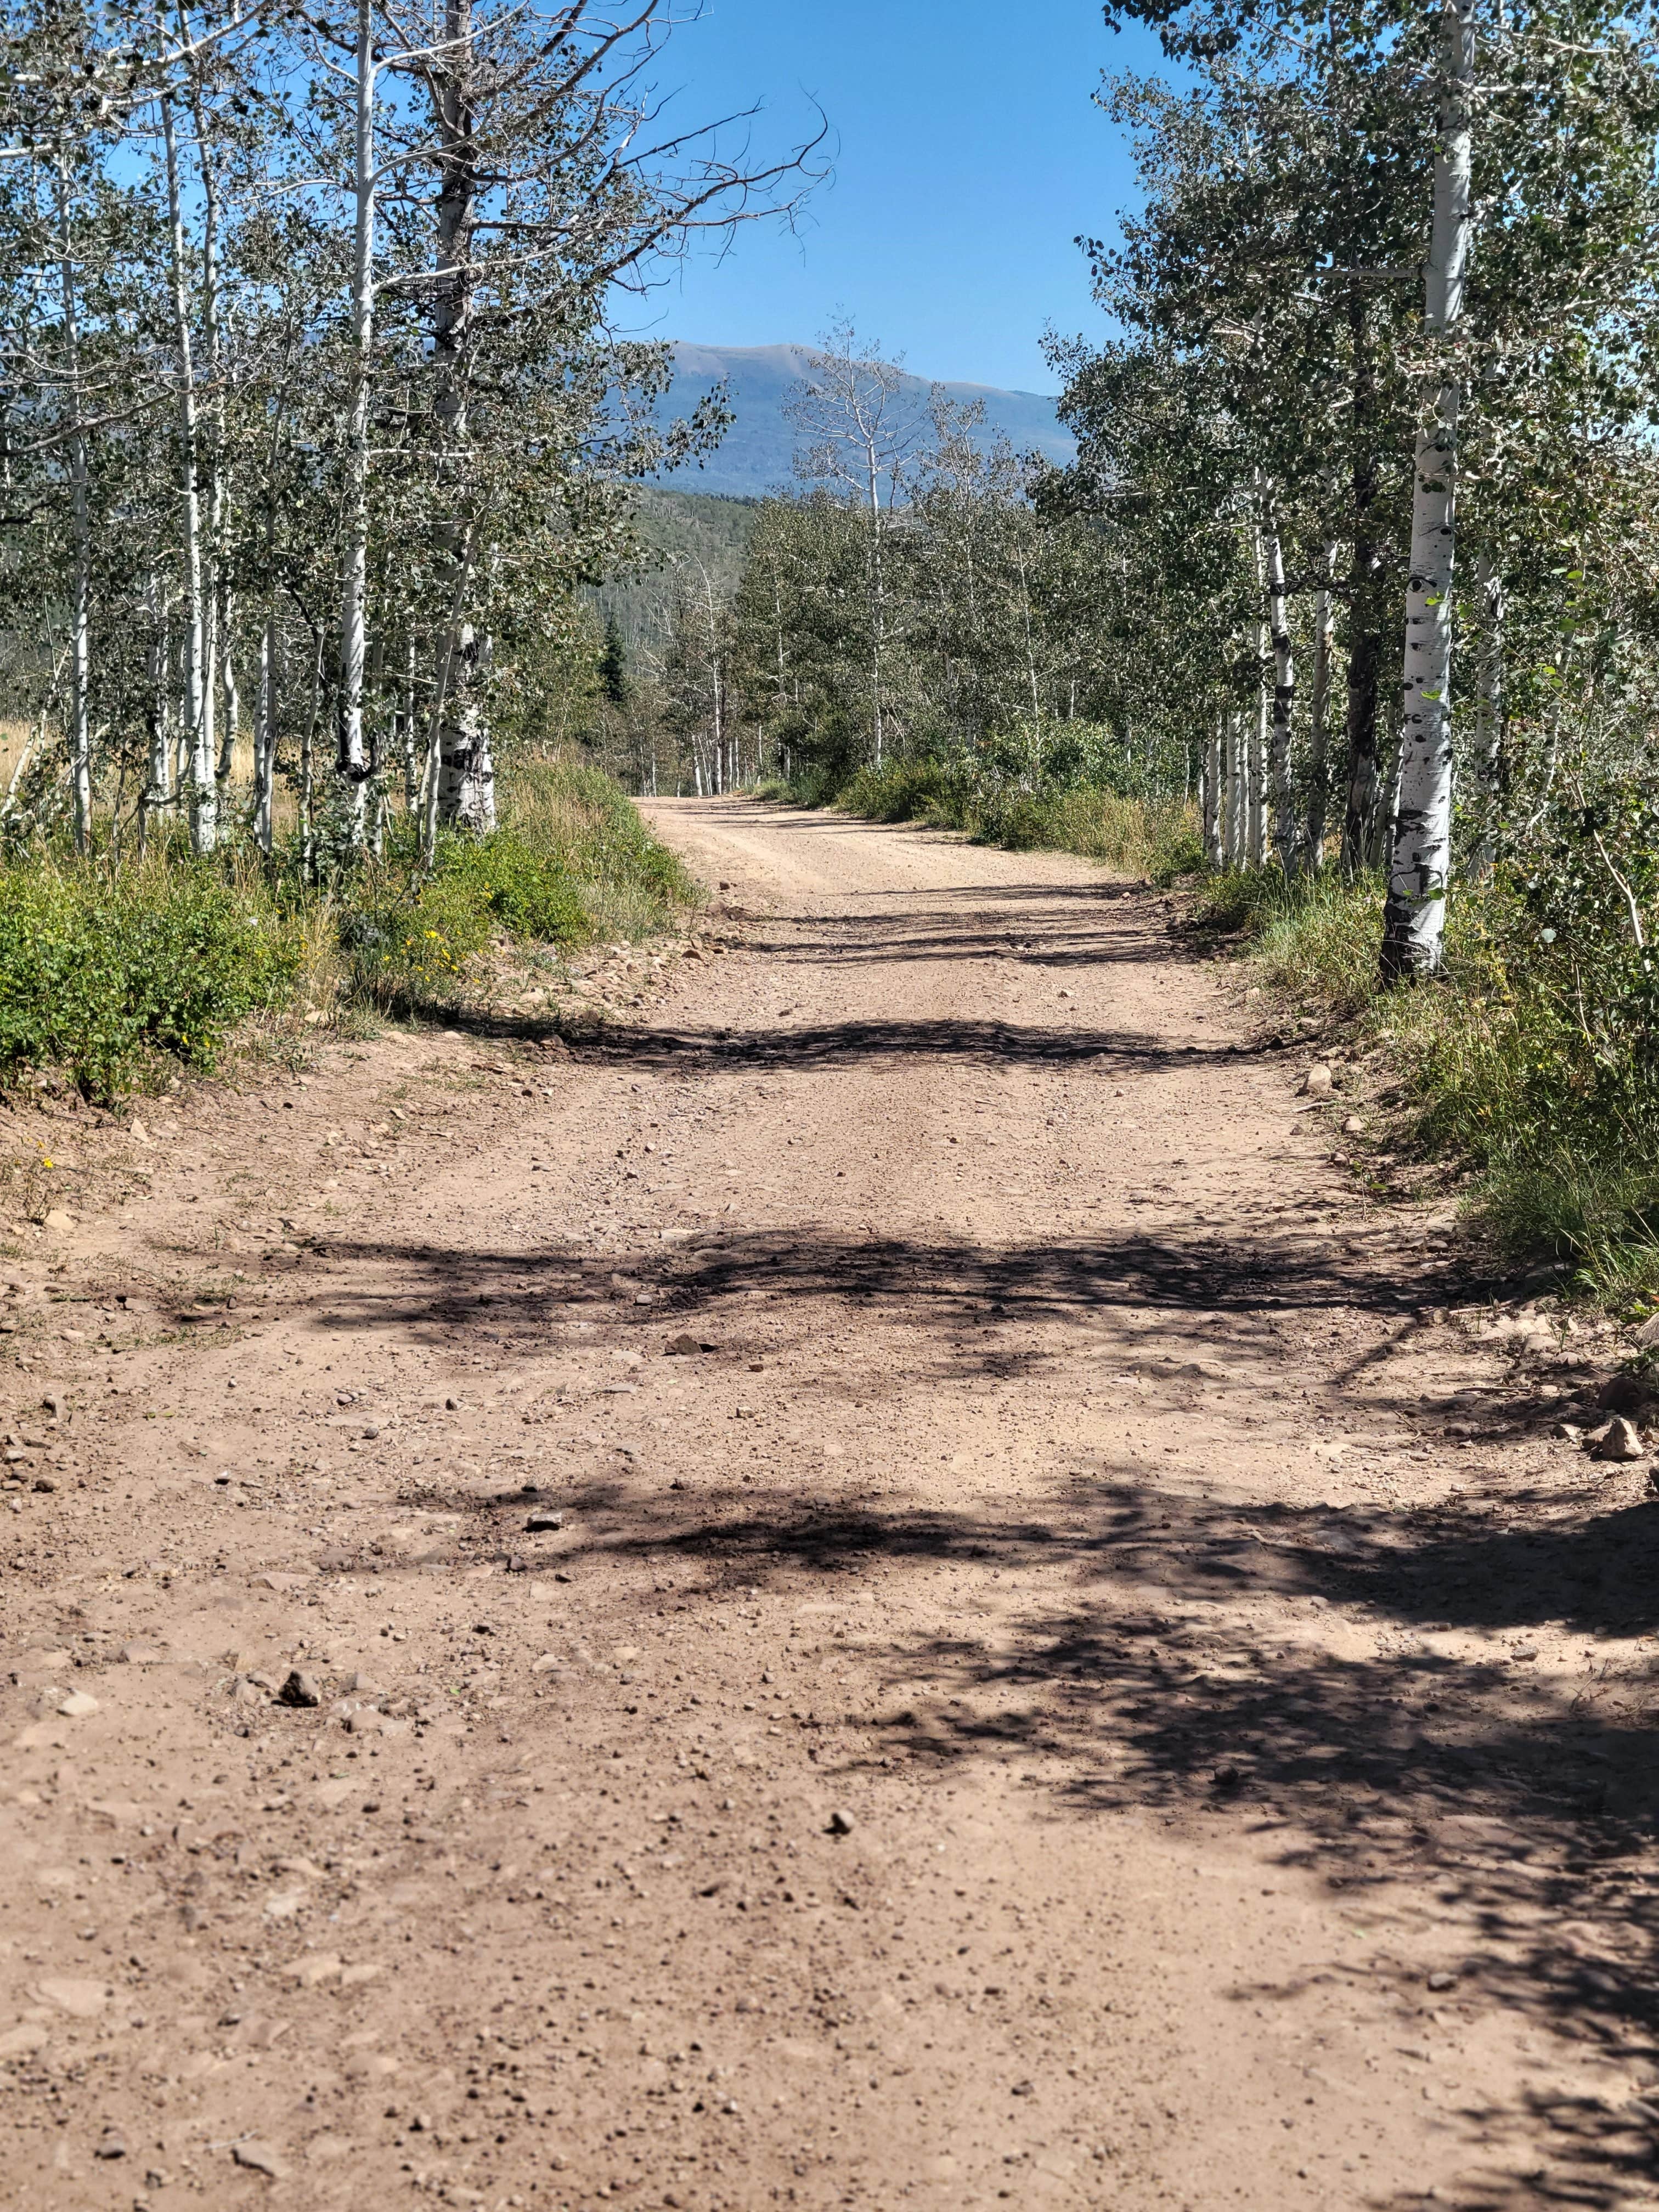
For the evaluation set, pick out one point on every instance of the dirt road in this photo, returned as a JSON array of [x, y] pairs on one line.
[[1050, 1671]]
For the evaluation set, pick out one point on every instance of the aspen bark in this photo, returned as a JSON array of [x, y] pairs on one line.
[[198, 726], [80, 652], [216, 609], [1319, 704], [466, 771], [1237, 790], [1284, 706], [351, 763], [1414, 919], [1213, 792]]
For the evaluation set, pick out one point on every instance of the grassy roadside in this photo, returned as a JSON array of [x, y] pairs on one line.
[[1156, 838], [1525, 1070], [117, 979]]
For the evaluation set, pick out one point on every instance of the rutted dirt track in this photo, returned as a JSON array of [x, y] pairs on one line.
[[1084, 1685]]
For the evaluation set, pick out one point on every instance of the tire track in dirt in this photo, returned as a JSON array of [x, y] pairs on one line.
[[1015, 1694]]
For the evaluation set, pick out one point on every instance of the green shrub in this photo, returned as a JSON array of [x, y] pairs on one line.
[[627, 882], [99, 978], [103, 977], [528, 892], [413, 943]]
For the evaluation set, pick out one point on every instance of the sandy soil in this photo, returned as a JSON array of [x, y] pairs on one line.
[[1071, 1672]]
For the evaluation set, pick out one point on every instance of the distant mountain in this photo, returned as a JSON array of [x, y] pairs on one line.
[[757, 453]]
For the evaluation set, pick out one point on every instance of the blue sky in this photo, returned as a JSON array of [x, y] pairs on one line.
[[968, 155]]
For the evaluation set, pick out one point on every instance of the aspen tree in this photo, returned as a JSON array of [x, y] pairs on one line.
[[1420, 868]]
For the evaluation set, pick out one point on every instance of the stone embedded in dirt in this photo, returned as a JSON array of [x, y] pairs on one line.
[[1353, 1125], [1620, 1442], [111, 2145], [258, 2158], [684, 1345], [44, 1482], [543, 1519], [1442, 1981], [81, 2000], [841, 1823], [1623, 1394], [58, 1220], [301, 1689], [1317, 1083], [311, 1973], [75, 1705], [451, 1405], [141, 1654], [365, 1721]]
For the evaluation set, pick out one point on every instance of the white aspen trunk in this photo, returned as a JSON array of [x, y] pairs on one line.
[[233, 697], [264, 737], [466, 767], [1284, 706], [1212, 792], [1319, 709], [197, 733], [1256, 745], [466, 775], [216, 610], [1414, 919], [351, 766], [1488, 716], [1238, 780], [431, 787], [80, 652], [411, 774]]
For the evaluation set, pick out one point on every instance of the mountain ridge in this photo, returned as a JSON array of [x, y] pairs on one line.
[[757, 455]]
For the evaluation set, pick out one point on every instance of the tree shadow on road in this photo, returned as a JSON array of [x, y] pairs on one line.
[[1441, 1713]]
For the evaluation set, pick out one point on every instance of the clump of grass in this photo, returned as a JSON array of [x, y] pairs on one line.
[[411, 941], [1142, 836], [1531, 1065], [626, 883]]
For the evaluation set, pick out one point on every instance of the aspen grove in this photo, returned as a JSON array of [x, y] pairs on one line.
[[315, 417]]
